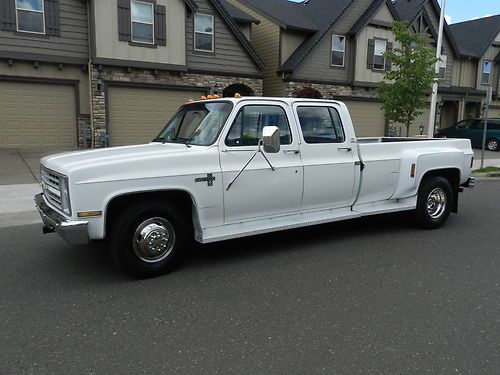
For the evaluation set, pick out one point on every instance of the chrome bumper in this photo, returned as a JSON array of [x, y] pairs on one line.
[[74, 232], [470, 183]]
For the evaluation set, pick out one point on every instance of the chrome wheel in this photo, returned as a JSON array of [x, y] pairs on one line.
[[154, 239], [492, 145], [436, 203]]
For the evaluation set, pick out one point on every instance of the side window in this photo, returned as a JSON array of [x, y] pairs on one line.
[[465, 124], [247, 126], [320, 125], [477, 125]]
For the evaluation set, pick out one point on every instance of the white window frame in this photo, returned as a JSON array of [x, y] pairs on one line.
[[483, 72], [374, 54], [204, 32], [33, 11], [443, 64], [142, 22], [334, 50]]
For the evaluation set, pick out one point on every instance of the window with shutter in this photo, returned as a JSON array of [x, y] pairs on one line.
[[124, 20], [378, 54], [143, 25], [52, 23], [30, 16], [371, 52], [160, 25]]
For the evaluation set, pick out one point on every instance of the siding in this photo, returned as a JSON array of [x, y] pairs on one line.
[[363, 74], [73, 42], [246, 29], [464, 73], [384, 15], [108, 46], [490, 55], [229, 56], [316, 66], [265, 39], [290, 41]]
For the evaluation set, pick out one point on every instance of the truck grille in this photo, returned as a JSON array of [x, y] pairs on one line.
[[51, 182]]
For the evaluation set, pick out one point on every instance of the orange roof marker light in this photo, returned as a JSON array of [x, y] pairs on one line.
[[210, 97], [203, 97], [237, 95], [190, 101], [216, 96]]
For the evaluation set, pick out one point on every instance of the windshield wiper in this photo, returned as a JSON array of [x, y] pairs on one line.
[[183, 140]]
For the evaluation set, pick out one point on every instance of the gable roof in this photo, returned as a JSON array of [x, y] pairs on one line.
[[408, 10], [475, 37], [237, 32], [237, 14], [370, 12]]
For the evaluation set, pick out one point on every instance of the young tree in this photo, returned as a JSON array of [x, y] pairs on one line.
[[404, 89]]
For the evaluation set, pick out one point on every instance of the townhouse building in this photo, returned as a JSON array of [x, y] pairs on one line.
[[97, 73], [478, 64]]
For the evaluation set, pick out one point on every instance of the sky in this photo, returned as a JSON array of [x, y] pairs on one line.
[[465, 10]]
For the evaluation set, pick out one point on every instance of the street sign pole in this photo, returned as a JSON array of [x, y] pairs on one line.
[[432, 117], [485, 127]]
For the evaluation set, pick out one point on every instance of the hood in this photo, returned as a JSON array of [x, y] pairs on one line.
[[120, 162]]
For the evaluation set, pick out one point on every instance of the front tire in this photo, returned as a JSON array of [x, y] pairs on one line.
[[434, 202], [148, 238]]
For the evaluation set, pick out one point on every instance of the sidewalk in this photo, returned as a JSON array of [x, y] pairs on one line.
[[19, 182]]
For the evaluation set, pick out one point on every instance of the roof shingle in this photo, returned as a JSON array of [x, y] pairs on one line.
[[474, 37]]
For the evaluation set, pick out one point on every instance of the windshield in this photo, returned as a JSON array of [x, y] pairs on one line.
[[196, 123]]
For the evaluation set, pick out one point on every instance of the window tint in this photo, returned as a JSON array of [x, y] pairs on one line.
[[495, 125], [247, 126], [320, 125], [477, 125]]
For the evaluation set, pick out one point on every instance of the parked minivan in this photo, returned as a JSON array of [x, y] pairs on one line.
[[473, 129]]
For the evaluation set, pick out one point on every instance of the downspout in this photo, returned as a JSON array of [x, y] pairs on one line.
[[89, 71]]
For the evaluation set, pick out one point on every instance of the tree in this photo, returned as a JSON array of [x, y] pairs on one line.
[[404, 89]]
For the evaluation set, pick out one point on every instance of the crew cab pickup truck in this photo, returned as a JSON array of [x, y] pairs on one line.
[[228, 168]]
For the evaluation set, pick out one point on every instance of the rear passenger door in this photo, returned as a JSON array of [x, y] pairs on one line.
[[330, 173]]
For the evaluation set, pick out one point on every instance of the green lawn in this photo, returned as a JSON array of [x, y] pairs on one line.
[[487, 170]]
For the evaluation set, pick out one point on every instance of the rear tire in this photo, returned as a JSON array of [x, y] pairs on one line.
[[148, 238], [492, 145], [434, 202]]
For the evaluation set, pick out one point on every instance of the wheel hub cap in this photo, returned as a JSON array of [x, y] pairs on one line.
[[436, 203], [154, 239]]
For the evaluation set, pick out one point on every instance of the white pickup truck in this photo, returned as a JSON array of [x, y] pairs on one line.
[[228, 168]]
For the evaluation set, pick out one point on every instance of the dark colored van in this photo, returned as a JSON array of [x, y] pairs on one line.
[[473, 129]]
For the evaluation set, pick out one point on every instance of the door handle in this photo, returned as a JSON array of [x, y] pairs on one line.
[[291, 152], [348, 149]]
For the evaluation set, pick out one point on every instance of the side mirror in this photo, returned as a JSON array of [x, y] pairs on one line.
[[271, 139]]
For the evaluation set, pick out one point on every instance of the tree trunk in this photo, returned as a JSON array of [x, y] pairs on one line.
[[407, 128]]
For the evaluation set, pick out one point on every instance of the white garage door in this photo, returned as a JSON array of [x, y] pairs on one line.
[[368, 118], [138, 114], [37, 115]]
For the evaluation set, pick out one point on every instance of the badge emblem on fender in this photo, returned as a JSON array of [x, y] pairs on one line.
[[209, 179]]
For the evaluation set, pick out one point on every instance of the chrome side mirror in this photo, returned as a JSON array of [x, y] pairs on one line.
[[271, 139]]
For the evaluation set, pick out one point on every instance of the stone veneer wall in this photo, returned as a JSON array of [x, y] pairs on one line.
[[100, 76]]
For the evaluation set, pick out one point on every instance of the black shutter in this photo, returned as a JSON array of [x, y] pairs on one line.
[[52, 22], [8, 15], [388, 62], [160, 25], [124, 33], [371, 53]]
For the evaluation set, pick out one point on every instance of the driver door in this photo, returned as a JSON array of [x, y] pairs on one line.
[[259, 191]]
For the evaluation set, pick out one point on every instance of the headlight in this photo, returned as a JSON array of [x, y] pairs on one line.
[[65, 202]]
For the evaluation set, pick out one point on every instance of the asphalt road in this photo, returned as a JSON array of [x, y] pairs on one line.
[[370, 296]]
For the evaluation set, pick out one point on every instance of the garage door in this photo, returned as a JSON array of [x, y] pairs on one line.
[[368, 118], [138, 114], [37, 115]]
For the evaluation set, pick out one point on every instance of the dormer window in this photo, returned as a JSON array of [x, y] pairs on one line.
[[30, 16], [378, 55], [142, 18], [338, 50], [203, 32]]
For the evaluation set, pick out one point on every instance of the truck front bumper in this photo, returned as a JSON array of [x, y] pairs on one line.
[[74, 232]]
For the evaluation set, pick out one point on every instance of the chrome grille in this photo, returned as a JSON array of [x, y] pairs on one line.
[[51, 187]]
